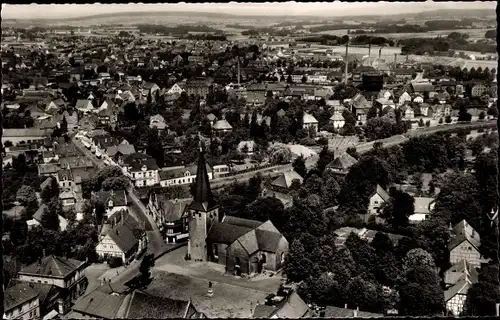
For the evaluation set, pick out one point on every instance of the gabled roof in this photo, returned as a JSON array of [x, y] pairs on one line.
[[235, 221], [460, 270], [382, 193], [222, 125], [286, 178], [291, 306], [462, 287], [99, 304], [336, 312], [225, 233], [464, 232], [17, 294], [343, 162], [143, 305], [53, 266], [123, 236], [309, 118], [171, 209], [119, 197]]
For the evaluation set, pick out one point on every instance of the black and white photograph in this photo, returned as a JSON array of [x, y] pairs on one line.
[[249, 160]]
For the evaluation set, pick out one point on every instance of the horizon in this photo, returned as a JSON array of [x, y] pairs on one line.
[[334, 9]]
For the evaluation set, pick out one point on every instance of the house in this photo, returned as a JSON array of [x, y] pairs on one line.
[[175, 89], [170, 215], [404, 98], [255, 99], [418, 99], [377, 200], [310, 122], [150, 88], [407, 112], [285, 180], [199, 87], [421, 87], [123, 238], [21, 302], [37, 219], [337, 120], [68, 199], [360, 107], [222, 127], [158, 122], [181, 175], [423, 209], [102, 303], [464, 244], [425, 110], [68, 275], [368, 235], [459, 279], [141, 169], [441, 110], [285, 304], [24, 136], [113, 201], [342, 164], [84, 106]]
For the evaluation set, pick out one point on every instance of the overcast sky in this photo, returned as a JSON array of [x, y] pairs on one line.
[[34, 11]]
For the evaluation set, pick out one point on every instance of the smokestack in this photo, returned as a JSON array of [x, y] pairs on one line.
[[498, 309], [346, 53], [238, 71], [379, 53], [369, 52], [395, 59], [345, 306]]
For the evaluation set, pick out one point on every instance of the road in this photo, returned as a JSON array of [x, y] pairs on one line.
[[138, 210]]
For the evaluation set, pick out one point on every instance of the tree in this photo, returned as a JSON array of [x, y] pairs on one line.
[[421, 299], [378, 128], [440, 121], [289, 79], [418, 257], [299, 165], [51, 191], [263, 209], [304, 79], [482, 115], [142, 280], [447, 119], [116, 183], [50, 219], [64, 125], [483, 295], [421, 123], [26, 195], [325, 157], [279, 154]]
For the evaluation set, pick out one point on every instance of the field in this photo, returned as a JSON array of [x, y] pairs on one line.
[[474, 34]]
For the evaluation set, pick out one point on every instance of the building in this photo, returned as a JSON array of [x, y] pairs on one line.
[[479, 90], [284, 181], [423, 209], [342, 164], [199, 87], [337, 120], [158, 122], [121, 237], [376, 202], [310, 122], [222, 127], [21, 302], [246, 247], [407, 112], [343, 313], [458, 279], [25, 136], [68, 275], [180, 175], [360, 107], [113, 201], [37, 219], [170, 216], [464, 244], [141, 169]]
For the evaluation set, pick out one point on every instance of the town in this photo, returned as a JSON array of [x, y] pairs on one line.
[[155, 171]]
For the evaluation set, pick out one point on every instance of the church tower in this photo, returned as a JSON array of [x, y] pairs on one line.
[[203, 211]]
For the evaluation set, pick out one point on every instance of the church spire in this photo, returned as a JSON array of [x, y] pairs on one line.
[[203, 198]]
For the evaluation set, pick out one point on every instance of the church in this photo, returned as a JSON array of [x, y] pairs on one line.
[[243, 246]]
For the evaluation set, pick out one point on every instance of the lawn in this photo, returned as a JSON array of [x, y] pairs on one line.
[[228, 301]]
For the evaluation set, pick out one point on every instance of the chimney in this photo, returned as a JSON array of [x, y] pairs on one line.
[[369, 52], [395, 59], [379, 53], [345, 306], [346, 54]]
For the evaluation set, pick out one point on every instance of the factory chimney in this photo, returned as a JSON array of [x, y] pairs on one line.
[[395, 59], [369, 53], [379, 53], [346, 53], [238, 71]]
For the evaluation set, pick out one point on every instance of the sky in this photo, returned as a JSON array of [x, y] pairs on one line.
[[336, 8]]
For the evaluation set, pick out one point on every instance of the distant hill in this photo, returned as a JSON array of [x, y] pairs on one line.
[[128, 18]]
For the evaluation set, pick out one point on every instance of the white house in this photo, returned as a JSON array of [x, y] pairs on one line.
[[21, 302], [418, 99], [405, 97], [175, 89], [141, 169], [464, 244], [376, 201], [310, 122], [337, 120], [84, 105], [423, 209], [181, 176], [113, 201], [158, 122]]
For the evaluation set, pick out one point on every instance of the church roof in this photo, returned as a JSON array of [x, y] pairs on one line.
[[203, 198]]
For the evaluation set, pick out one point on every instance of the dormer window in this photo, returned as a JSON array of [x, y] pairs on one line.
[[110, 203], [144, 168], [187, 174]]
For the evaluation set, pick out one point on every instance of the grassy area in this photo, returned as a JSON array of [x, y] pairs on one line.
[[227, 301]]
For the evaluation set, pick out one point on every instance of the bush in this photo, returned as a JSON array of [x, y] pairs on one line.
[[440, 120], [115, 262], [448, 119], [428, 123]]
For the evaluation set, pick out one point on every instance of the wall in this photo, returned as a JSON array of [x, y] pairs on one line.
[[236, 250], [108, 247], [283, 247], [375, 202], [28, 310], [198, 235], [15, 140], [57, 282], [455, 305], [465, 251]]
